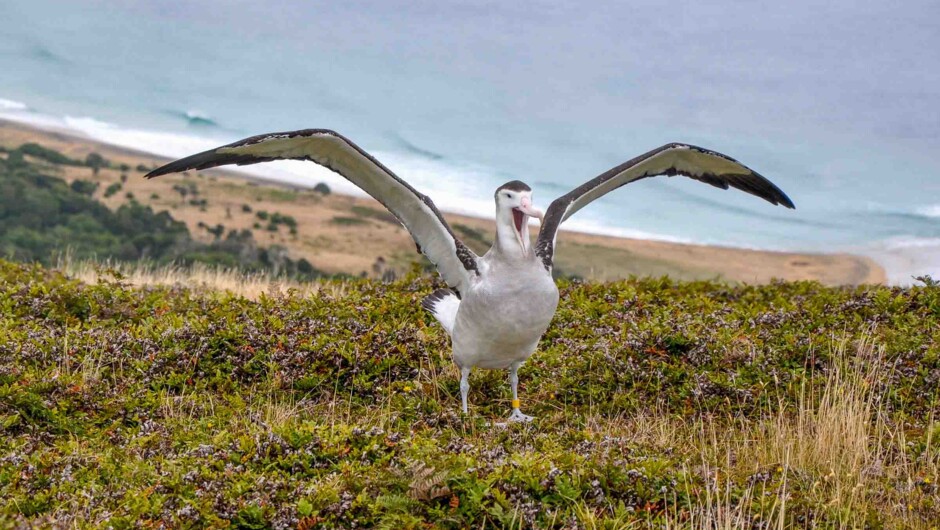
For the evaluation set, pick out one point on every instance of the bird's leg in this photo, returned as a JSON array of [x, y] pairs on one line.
[[517, 414], [464, 386]]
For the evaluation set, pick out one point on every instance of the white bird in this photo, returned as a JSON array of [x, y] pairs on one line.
[[498, 305]]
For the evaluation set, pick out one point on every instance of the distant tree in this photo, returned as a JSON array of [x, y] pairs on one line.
[[112, 189], [85, 187], [95, 162], [322, 188], [246, 208], [216, 231], [182, 190]]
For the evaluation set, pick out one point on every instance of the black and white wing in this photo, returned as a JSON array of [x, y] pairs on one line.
[[673, 159], [456, 263]]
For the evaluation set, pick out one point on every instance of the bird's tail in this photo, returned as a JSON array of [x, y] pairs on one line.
[[443, 304]]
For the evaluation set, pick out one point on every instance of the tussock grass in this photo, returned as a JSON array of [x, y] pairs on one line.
[[659, 404], [198, 276]]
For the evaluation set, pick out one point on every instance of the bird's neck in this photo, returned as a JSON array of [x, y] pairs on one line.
[[507, 244]]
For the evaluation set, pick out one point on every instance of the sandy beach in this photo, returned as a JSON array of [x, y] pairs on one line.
[[344, 234]]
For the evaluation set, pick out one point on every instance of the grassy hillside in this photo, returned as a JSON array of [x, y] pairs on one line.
[[42, 215], [658, 404]]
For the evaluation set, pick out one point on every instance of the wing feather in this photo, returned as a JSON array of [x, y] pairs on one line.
[[703, 165], [456, 263]]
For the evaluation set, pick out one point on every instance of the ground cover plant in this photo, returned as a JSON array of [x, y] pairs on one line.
[[659, 404]]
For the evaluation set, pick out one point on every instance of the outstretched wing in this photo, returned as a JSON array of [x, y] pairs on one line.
[[456, 263], [694, 162]]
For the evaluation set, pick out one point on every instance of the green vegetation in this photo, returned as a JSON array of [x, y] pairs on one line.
[[658, 404], [186, 189], [322, 188], [276, 219], [216, 230], [49, 155], [113, 189], [379, 215], [96, 162], [275, 194], [42, 216], [85, 187], [343, 220]]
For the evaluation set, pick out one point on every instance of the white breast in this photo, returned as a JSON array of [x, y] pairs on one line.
[[502, 317]]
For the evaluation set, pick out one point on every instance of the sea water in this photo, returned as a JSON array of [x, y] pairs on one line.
[[837, 102]]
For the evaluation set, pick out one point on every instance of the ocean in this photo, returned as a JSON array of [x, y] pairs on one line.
[[838, 102]]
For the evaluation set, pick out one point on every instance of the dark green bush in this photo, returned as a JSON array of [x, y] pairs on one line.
[[113, 189], [84, 187]]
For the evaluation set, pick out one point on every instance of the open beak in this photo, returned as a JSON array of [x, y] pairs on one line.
[[520, 217]]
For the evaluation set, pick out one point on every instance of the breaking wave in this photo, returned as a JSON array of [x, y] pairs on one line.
[[197, 118], [932, 211], [9, 104]]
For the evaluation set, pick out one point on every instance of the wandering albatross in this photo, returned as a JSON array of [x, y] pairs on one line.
[[497, 305]]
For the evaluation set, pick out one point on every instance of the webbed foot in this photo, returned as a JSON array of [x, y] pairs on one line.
[[517, 415]]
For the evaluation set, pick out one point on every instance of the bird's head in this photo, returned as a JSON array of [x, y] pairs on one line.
[[513, 210]]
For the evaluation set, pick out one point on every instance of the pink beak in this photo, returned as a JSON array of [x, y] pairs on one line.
[[525, 206]]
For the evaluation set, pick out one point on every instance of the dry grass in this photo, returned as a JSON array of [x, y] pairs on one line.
[[839, 439], [199, 277], [837, 447]]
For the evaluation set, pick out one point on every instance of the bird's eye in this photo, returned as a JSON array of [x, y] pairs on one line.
[[508, 196]]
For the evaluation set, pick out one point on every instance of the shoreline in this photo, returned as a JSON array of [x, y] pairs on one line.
[[346, 233]]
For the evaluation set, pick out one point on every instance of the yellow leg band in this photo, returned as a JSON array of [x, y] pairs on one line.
[[515, 403]]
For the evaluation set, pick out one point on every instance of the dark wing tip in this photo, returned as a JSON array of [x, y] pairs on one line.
[[174, 167], [770, 192], [761, 185], [204, 160], [212, 158]]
